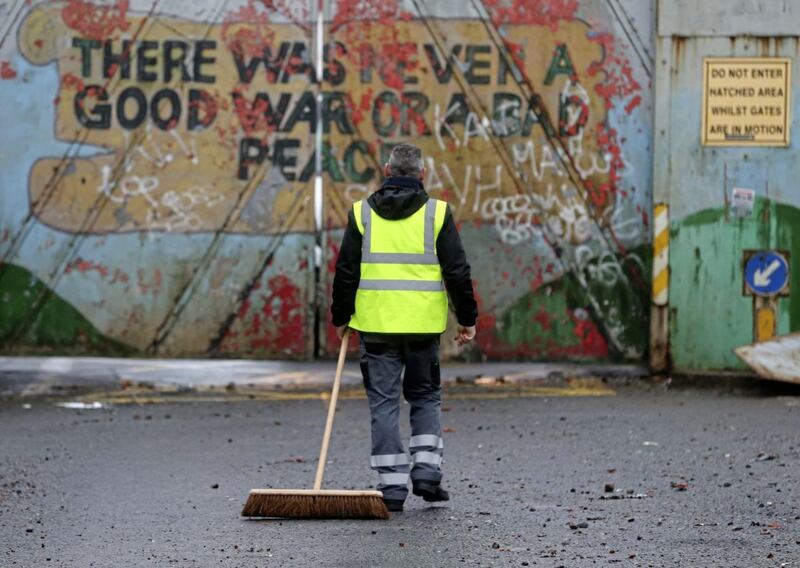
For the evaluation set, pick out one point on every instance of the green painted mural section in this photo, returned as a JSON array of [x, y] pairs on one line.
[[55, 327], [556, 320], [714, 316]]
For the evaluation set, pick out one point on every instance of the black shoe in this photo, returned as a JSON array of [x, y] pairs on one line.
[[394, 505], [430, 491]]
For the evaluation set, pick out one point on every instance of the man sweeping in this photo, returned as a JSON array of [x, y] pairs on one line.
[[400, 257]]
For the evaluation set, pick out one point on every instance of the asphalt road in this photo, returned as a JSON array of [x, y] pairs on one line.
[[699, 478]]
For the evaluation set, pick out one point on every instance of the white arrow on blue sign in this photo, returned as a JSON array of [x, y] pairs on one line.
[[766, 273]]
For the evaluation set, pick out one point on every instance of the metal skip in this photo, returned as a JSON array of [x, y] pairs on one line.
[[777, 359]]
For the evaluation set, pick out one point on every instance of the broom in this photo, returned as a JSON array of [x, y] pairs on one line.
[[317, 503]]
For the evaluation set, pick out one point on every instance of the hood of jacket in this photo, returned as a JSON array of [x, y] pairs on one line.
[[399, 197]]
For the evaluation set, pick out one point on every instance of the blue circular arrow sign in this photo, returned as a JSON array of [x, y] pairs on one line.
[[766, 273]]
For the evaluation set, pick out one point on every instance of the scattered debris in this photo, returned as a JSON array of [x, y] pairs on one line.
[[766, 457], [489, 381], [82, 405], [608, 488], [630, 495], [215, 486], [581, 525], [649, 443], [679, 485]]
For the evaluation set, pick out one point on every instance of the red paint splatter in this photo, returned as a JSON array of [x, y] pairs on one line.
[[397, 58], [254, 115], [144, 286], [608, 144], [486, 326], [538, 277], [84, 266], [364, 24], [364, 105], [295, 12], [283, 316], [38, 43], [517, 53], [71, 81], [96, 21], [246, 31], [367, 13], [632, 104], [618, 82], [590, 342], [548, 13], [119, 276], [543, 319], [7, 71], [332, 341], [414, 117]]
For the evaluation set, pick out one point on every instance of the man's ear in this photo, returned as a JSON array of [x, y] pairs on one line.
[[387, 171], [422, 173]]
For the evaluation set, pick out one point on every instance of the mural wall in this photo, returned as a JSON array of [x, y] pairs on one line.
[[158, 168]]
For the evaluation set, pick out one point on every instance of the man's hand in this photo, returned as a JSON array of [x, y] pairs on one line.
[[340, 331], [465, 334]]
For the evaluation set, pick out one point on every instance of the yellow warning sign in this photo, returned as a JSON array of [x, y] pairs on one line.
[[745, 101]]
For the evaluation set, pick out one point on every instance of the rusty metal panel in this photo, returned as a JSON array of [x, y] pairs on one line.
[[536, 128], [709, 316], [727, 18], [151, 203]]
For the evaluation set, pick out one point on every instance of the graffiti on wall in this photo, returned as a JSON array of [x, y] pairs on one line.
[[167, 100], [208, 127], [512, 112]]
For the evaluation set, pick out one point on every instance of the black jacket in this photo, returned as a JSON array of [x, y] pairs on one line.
[[400, 197]]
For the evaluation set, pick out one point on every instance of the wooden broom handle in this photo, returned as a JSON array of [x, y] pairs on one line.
[[326, 437]]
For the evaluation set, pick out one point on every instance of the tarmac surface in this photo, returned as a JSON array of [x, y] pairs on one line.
[[585, 473]]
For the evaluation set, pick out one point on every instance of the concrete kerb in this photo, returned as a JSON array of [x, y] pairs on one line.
[[71, 376]]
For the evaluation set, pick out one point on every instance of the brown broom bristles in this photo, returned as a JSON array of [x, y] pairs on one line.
[[309, 504]]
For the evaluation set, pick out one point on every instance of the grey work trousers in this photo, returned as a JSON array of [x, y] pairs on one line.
[[382, 364]]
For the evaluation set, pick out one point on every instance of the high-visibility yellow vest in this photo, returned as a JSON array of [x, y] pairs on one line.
[[401, 288]]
